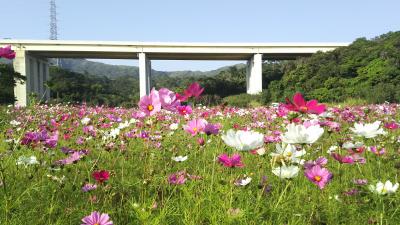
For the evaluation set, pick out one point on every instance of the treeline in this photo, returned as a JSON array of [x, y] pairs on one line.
[[367, 69]]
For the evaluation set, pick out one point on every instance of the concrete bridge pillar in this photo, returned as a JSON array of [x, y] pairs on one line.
[[254, 74], [36, 71], [144, 74]]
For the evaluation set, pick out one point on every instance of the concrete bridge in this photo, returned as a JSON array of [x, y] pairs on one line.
[[31, 58]]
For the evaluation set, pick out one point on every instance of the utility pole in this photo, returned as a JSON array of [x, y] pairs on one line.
[[53, 25]]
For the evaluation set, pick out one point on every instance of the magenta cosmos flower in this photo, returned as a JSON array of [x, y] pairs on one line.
[[7, 53], [300, 105], [96, 218], [195, 126], [194, 90], [184, 110], [234, 161], [318, 175], [150, 104]]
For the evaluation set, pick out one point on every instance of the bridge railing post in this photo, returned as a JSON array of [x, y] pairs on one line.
[[144, 74], [254, 74]]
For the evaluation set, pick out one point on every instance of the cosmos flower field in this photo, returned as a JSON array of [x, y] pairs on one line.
[[170, 161]]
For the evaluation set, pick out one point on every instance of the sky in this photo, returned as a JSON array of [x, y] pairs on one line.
[[201, 21]]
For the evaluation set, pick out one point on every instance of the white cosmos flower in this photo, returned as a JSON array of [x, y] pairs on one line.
[[331, 149], [85, 121], [351, 145], [15, 123], [286, 172], [179, 158], [299, 134], [368, 130], [114, 133], [243, 182], [383, 189], [288, 152], [26, 161], [123, 125], [173, 126], [243, 140]]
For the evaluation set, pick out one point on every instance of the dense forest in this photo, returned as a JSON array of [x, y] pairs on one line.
[[367, 69]]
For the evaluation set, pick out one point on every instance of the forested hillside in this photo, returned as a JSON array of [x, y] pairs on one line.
[[367, 69]]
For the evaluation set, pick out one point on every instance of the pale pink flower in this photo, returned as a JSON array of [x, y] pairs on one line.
[[150, 104], [96, 218], [195, 126], [168, 99]]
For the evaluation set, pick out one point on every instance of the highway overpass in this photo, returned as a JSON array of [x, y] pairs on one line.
[[32, 58]]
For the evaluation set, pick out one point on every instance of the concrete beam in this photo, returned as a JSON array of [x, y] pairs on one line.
[[144, 74], [254, 74]]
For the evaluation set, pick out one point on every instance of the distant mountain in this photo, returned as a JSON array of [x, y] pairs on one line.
[[113, 71]]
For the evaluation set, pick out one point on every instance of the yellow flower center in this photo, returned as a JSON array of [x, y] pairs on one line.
[[289, 154], [150, 107], [195, 129], [303, 109], [317, 178]]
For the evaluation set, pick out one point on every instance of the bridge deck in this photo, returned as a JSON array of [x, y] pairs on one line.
[[168, 51]]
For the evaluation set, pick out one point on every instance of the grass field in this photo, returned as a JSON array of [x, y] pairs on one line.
[[51, 156]]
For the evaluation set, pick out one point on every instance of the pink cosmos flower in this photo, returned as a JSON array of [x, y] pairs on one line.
[[88, 187], [201, 141], [101, 176], [181, 97], [342, 159], [177, 178], [212, 128], [392, 125], [321, 161], [168, 99], [300, 105], [51, 142], [150, 104], [234, 161], [360, 181], [376, 151], [184, 110], [194, 90], [7, 53], [318, 175], [282, 110], [195, 126], [96, 218], [74, 157]]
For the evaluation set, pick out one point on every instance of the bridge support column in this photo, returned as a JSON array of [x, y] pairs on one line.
[[254, 74], [21, 66], [36, 71], [144, 74]]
